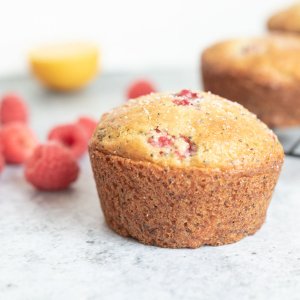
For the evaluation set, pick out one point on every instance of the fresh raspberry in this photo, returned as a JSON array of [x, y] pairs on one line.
[[1, 142], [51, 167], [2, 162], [140, 88], [18, 142], [72, 136], [88, 125], [13, 109]]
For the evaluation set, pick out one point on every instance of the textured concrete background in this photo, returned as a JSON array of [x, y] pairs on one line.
[[57, 246]]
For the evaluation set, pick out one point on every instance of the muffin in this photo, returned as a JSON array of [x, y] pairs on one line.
[[184, 169], [287, 20], [263, 74]]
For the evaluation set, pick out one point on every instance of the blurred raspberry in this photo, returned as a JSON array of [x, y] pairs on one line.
[[140, 88], [51, 167], [71, 136], [2, 162], [18, 142], [13, 109], [88, 125]]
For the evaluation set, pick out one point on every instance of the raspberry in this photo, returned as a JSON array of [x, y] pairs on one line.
[[51, 167], [188, 94], [2, 162], [181, 146], [187, 148], [187, 97], [140, 88], [13, 109], [88, 125], [71, 136], [162, 141], [183, 102], [18, 142]]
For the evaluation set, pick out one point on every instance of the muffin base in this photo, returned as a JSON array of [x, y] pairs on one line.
[[178, 208], [276, 105]]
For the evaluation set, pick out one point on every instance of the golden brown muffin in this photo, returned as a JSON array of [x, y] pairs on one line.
[[287, 20], [263, 74], [184, 170]]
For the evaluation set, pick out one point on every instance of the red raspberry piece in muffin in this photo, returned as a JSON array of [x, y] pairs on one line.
[[187, 93], [160, 139], [184, 147], [168, 144], [186, 97], [164, 141], [183, 102]]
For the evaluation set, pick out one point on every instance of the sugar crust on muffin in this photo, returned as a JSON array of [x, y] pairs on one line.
[[203, 131]]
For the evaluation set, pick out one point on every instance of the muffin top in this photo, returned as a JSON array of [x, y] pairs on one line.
[[272, 60], [286, 20], [187, 129]]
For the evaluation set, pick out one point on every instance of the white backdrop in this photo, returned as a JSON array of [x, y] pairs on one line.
[[132, 34]]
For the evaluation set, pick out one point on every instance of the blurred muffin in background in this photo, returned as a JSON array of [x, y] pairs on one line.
[[65, 67], [287, 20], [263, 74]]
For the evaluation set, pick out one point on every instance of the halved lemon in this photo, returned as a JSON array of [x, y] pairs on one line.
[[65, 67]]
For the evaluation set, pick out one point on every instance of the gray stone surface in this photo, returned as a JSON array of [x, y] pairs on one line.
[[57, 246]]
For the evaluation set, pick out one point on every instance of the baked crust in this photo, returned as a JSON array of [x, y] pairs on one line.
[[210, 132], [182, 207], [287, 20], [262, 74]]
